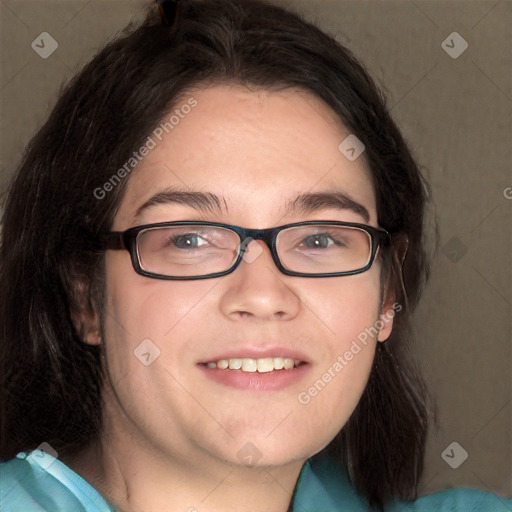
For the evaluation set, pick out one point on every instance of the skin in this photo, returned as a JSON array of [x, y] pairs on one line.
[[171, 434]]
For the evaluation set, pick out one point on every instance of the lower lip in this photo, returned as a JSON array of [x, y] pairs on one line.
[[268, 381]]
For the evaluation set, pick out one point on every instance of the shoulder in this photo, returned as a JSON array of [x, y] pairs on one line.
[[455, 500], [324, 486], [38, 482]]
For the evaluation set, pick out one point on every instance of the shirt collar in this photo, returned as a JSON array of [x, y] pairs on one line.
[[324, 485]]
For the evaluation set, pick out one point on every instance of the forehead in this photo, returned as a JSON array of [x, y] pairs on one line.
[[254, 149]]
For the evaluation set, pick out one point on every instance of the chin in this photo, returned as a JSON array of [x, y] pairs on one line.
[[261, 451]]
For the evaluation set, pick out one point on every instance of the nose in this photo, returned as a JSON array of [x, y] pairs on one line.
[[258, 289]]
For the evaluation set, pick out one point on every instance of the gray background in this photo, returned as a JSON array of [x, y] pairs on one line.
[[456, 115]]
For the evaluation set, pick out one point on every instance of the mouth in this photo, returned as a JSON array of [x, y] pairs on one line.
[[271, 371], [250, 365]]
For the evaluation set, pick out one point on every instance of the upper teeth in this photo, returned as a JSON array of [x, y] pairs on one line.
[[267, 364]]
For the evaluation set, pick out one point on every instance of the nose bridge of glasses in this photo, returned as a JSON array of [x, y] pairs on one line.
[[265, 235]]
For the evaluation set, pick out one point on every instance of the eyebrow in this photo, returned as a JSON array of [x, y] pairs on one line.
[[338, 200], [301, 204], [203, 201]]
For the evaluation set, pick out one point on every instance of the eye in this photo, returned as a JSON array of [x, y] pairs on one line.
[[322, 241], [186, 241]]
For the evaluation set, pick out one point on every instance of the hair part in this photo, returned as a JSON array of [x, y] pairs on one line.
[[50, 269]]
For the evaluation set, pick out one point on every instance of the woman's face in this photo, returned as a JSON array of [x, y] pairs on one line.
[[256, 151]]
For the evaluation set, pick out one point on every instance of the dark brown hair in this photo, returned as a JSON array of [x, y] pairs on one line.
[[50, 379]]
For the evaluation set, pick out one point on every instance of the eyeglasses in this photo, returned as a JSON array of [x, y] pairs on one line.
[[201, 250]]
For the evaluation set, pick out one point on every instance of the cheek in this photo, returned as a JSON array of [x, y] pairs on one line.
[[345, 307], [142, 316], [144, 308], [348, 313]]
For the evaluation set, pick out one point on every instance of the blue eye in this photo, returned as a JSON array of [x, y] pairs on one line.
[[186, 241]]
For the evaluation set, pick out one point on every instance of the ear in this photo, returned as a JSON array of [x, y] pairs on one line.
[[389, 307], [387, 313], [84, 313]]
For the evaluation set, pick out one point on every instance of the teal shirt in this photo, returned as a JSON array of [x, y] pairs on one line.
[[37, 482]]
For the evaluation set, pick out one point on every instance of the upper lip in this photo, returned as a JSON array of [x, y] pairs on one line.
[[259, 353]]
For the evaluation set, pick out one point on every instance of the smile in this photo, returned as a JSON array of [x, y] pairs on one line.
[[264, 365]]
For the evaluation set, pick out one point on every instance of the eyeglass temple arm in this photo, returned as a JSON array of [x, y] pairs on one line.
[[400, 242], [114, 240]]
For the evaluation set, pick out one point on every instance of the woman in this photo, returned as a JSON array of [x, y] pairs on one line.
[[210, 256]]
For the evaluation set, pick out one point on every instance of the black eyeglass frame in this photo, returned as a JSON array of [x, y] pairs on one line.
[[118, 240]]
